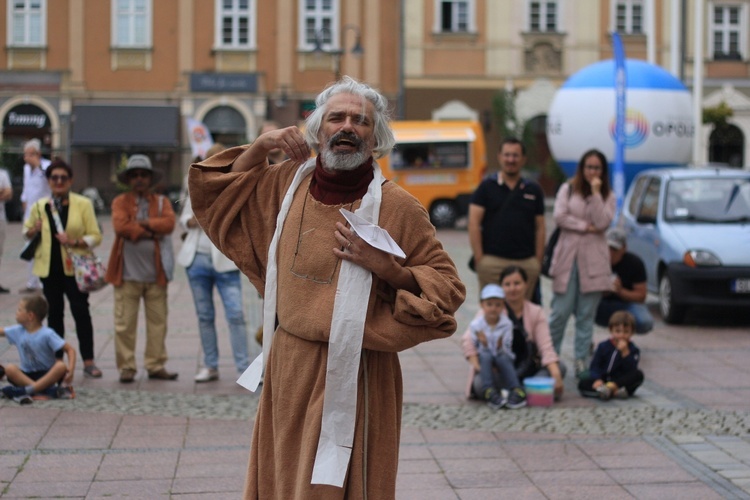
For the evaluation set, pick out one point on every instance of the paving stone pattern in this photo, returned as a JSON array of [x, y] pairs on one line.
[[685, 435]]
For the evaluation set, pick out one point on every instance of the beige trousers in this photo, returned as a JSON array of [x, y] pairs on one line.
[[490, 267], [127, 301]]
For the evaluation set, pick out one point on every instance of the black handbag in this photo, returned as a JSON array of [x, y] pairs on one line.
[[528, 361], [29, 248], [549, 248], [549, 251]]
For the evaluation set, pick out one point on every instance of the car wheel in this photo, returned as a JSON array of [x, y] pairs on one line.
[[671, 313], [443, 214]]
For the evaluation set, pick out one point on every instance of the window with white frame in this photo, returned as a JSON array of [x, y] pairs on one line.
[[235, 24], [454, 16], [543, 16], [629, 17], [319, 20], [27, 23], [728, 25], [131, 23]]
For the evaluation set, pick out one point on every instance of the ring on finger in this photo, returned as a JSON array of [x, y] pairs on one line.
[[347, 246]]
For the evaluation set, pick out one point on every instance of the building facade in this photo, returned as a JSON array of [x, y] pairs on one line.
[[478, 54], [97, 80]]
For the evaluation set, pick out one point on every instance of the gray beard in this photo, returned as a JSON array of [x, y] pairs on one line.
[[342, 161]]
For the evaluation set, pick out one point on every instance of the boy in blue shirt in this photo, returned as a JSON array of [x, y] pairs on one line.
[[614, 367], [40, 369]]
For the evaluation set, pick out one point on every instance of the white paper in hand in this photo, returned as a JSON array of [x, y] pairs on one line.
[[372, 234]]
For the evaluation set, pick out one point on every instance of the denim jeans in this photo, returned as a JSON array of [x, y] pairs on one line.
[[203, 277], [583, 306], [504, 366], [644, 322]]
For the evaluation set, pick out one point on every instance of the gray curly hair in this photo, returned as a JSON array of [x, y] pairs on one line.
[[384, 139], [34, 144]]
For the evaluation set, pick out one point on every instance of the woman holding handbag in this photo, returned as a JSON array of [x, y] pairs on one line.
[[52, 263]]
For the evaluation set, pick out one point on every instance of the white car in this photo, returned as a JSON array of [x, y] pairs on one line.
[[691, 228]]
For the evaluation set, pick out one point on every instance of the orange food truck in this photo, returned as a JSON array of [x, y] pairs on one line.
[[439, 162]]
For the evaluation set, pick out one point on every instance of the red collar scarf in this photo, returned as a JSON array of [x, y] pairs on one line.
[[342, 186]]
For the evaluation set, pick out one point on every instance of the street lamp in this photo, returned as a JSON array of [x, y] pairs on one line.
[[356, 50]]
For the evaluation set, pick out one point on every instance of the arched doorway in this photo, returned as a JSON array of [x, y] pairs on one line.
[[539, 159], [727, 145], [226, 125]]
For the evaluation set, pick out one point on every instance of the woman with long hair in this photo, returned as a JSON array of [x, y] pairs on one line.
[[580, 269]]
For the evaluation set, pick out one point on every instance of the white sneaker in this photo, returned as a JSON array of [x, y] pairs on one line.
[[207, 375]]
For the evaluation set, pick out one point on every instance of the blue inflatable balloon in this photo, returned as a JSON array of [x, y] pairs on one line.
[[658, 125]]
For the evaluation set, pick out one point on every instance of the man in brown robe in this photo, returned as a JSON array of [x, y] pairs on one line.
[[330, 290]]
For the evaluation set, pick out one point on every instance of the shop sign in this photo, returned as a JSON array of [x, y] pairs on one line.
[[26, 116], [224, 82]]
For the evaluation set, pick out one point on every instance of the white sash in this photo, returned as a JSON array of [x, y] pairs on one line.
[[345, 342]]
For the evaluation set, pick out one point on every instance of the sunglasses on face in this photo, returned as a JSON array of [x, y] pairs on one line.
[[59, 178], [142, 174]]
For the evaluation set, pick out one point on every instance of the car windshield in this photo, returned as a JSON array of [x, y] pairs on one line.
[[708, 200]]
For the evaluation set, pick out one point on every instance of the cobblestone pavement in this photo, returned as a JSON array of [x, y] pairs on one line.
[[686, 434]]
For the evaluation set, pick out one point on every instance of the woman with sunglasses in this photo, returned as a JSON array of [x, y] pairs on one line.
[[51, 262], [584, 209]]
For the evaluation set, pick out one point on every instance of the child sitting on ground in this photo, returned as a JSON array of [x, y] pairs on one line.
[[614, 367], [492, 334], [37, 345]]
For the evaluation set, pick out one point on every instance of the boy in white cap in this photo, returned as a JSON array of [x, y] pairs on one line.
[[493, 336]]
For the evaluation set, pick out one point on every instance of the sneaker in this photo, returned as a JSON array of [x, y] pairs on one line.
[[494, 399], [48, 393], [622, 393], [4, 290], [17, 394], [581, 369], [23, 400], [66, 392], [207, 375], [516, 399], [604, 392]]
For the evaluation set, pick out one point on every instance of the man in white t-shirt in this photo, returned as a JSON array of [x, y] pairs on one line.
[[35, 186], [6, 193]]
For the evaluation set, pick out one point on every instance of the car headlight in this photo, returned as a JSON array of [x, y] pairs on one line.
[[694, 258]]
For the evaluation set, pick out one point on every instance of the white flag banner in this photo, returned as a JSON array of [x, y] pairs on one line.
[[200, 137]]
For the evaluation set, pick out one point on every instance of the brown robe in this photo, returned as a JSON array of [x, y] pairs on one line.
[[238, 212]]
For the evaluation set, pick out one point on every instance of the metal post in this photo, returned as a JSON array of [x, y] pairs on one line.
[[698, 153], [674, 38]]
